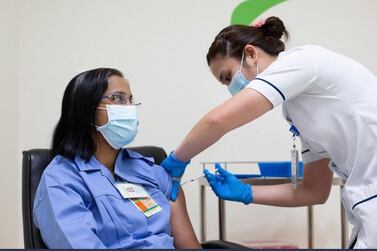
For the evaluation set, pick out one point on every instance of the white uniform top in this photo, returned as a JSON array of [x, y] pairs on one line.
[[332, 101]]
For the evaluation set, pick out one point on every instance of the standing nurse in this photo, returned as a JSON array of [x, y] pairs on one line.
[[329, 98]]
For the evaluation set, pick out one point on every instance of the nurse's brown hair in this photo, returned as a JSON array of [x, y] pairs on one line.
[[231, 41]]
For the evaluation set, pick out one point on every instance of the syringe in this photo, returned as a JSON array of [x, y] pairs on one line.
[[189, 181]]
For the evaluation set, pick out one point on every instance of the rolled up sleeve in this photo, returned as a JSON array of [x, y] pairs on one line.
[[307, 155], [164, 180]]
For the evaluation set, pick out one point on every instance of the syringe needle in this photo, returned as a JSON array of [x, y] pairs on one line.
[[183, 183]]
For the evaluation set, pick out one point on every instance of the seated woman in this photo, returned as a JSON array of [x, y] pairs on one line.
[[94, 194]]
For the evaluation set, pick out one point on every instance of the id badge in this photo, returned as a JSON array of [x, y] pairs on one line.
[[129, 190], [294, 157], [147, 206], [294, 167], [139, 197]]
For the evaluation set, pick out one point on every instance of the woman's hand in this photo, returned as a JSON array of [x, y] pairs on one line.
[[228, 187]]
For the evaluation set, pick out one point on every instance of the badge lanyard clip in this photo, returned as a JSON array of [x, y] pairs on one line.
[[294, 157]]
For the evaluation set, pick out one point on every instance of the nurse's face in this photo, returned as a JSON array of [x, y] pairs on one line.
[[223, 68], [117, 90]]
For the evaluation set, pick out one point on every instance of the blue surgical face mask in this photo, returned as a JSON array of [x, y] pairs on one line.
[[238, 81], [121, 128]]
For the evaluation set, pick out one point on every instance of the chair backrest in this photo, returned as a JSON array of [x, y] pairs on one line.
[[33, 164]]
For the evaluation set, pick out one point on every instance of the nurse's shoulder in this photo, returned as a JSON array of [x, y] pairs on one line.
[[319, 55], [310, 51]]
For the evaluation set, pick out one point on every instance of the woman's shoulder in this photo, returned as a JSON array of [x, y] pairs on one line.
[[305, 57], [303, 49], [144, 170], [150, 163], [306, 47], [61, 170], [311, 50]]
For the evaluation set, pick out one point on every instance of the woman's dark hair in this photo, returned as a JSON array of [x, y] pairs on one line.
[[232, 40], [73, 134]]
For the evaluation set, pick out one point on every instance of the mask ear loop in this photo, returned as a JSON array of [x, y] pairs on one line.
[[102, 109], [242, 58], [243, 55]]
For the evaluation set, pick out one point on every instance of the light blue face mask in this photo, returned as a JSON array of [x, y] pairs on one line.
[[121, 128], [238, 81]]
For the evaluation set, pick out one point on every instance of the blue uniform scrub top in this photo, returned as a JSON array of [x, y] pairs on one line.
[[78, 206]]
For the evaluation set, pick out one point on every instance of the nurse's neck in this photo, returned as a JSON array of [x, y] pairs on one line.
[[106, 155], [264, 60]]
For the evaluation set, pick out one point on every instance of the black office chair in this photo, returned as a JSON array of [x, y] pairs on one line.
[[33, 164]]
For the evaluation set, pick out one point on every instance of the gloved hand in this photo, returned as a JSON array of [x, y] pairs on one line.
[[226, 186], [176, 168]]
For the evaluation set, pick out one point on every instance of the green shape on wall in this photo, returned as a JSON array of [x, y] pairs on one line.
[[247, 11]]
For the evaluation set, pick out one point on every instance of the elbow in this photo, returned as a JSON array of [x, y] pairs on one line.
[[320, 201], [321, 197], [315, 195], [215, 123]]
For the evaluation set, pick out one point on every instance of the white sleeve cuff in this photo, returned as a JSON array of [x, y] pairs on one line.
[[308, 156], [268, 90]]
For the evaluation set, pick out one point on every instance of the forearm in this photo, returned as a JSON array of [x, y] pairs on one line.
[[314, 189], [285, 195]]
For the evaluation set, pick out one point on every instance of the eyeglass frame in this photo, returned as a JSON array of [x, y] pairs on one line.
[[129, 99]]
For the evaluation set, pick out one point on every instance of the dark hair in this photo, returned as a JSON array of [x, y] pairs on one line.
[[73, 134], [232, 40]]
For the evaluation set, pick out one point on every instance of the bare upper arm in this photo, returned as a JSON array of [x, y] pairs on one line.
[[241, 109], [182, 230], [318, 178]]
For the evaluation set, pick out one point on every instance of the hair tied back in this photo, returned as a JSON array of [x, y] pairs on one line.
[[274, 27]]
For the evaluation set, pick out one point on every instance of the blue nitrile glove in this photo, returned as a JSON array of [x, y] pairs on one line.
[[176, 168], [226, 186]]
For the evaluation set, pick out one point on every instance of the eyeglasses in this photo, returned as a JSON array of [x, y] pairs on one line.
[[121, 99]]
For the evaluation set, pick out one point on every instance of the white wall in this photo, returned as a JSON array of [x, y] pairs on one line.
[[161, 46], [10, 190]]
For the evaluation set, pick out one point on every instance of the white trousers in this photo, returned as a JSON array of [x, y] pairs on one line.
[[361, 205]]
